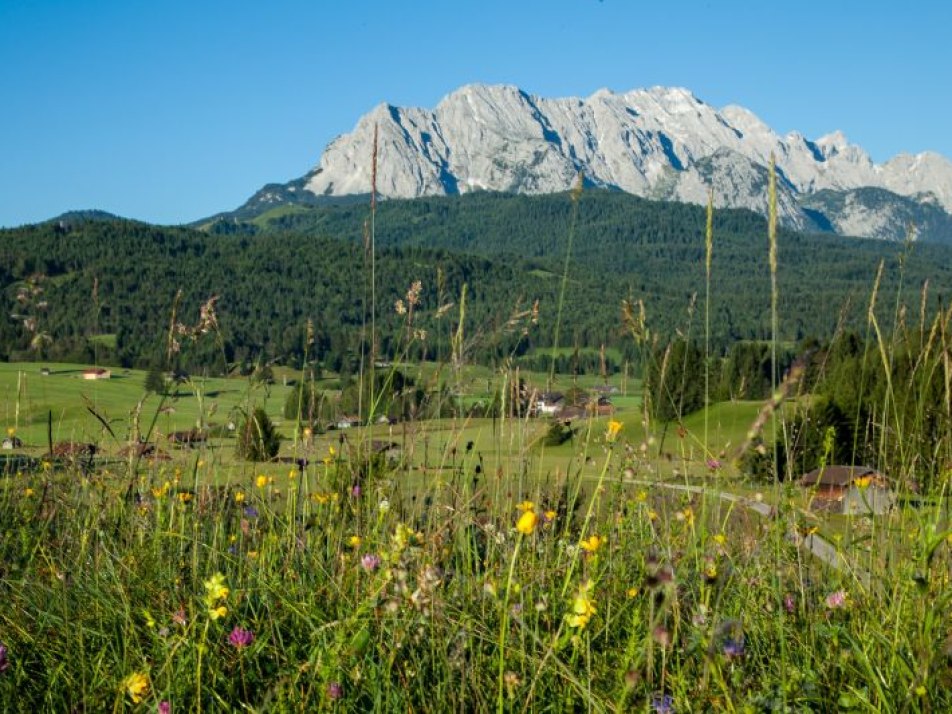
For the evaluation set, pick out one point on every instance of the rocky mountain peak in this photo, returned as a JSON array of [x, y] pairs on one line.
[[658, 142]]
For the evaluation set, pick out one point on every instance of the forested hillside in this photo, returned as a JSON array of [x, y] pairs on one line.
[[105, 289]]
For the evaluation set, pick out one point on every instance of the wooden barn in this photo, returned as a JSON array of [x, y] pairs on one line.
[[850, 490]]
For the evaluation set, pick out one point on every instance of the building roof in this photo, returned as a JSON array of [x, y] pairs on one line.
[[837, 475]]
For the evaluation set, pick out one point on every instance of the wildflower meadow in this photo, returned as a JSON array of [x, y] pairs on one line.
[[462, 561]]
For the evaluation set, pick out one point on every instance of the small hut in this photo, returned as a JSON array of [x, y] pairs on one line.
[[850, 490]]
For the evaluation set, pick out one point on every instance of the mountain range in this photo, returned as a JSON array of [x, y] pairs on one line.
[[659, 143]]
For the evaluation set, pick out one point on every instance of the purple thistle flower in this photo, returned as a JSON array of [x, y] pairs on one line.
[[165, 707], [370, 562], [241, 638], [4, 660], [355, 490], [334, 691], [251, 512], [662, 704]]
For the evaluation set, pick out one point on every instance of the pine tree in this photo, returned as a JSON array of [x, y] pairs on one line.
[[257, 438]]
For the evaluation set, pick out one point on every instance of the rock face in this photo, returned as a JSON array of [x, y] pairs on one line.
[[658, 143]]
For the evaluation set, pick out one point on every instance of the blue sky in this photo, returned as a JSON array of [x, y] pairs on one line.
[[172, 110]]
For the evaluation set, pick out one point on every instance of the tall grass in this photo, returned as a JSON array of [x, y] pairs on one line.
[[597, 576]]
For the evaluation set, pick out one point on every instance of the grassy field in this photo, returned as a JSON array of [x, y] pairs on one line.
[[476, 565], [29, 398], [493, 575]]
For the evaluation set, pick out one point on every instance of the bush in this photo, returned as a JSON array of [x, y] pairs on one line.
[[257, 438], [557, 434]]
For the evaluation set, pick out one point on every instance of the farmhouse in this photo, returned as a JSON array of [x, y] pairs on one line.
[[549, 403], [850, 490], [601, 407], [12, 442], [97, 373]]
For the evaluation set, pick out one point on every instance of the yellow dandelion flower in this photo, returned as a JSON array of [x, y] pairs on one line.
[[331, 451], [354, 541], [631, 592], [527, 522], [720, 539], [592, 543], [217, 613], [11, 431], [614, 427], [136, 686], [526, 506], [239, 496], [641, 496], [549, 516], [28, 492], [261, 481], [184, 496], [652, 515], [863, 482], [688, 514]]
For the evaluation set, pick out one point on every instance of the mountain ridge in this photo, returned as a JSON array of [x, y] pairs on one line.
[[660, 142]]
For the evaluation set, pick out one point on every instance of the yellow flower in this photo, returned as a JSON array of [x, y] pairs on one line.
[[28, 492], [688, 514], [550, 516], [239, 496], [402, 536], [527, 522], [215, 588], [614, 427], [217, 612], [631, 592], [720, 539], [184, 496], [641, 496], [582, 607], [354, 541], [136, 686], [863, 482], [592, 543], [652, 514], [11, 431], [526, 506], [330, 450], [261, 481]]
